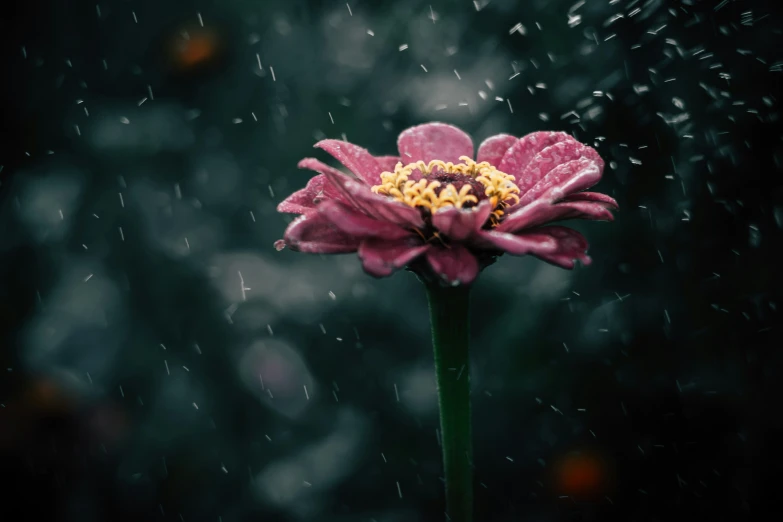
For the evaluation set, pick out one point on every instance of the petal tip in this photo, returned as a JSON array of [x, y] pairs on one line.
[[320, 143], [455, 265], [434, 140], [302, 164]]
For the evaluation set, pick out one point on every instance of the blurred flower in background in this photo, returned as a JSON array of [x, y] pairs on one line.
[[194, 47], [278, 376], [583, 476]]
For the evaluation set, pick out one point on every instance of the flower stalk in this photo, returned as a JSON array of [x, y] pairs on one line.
[[450, 321]]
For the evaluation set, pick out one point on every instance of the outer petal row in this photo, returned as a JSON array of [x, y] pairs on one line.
[[557, 245], [381, 257], [540, 212], [354, 223], [303, 201], [358, 160], [535, 161], [520, 155], [314, 234], [560, 170], [358, 196], [454, 264]]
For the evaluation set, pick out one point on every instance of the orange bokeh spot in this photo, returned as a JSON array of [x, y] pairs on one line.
[[582, 475], [194, 48], [46, 396]]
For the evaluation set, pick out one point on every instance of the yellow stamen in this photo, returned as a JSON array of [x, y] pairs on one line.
[[499, 187]]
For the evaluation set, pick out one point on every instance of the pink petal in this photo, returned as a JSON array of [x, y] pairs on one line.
[[359, 196], [381, 258], [565, 178], [460, 224], [597, 197], [556, 245], [381, 207], [387, 163], [543, 211], [434, 141], [334, 186], [455, 264], [571, 246], [303, 201], [494, 148], [315, 235], [359, 225], [358, 160], [517, 245], [520, 154]]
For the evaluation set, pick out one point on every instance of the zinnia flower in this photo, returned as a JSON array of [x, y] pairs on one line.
[[435, 210], [438, 212]]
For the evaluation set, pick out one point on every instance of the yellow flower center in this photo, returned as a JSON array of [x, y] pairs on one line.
[[498, 186]]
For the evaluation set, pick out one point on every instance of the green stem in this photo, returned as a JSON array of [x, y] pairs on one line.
[[450, 320]]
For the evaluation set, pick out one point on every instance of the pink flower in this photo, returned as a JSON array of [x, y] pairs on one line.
[[441, 214]]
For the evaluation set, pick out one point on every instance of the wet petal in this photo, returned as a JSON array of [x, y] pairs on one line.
[[608, 201], [381, 257], [387, 163], [556, 245], [303, 201], [358, 160], [434, 141], [571, 246], [359, 196], [566, 177], [333, 187], [357, 224], [520, 154], [517, 245], [543, 211], [381, 207], [315, 235], [460, 224], [454, 264], [494, 148]]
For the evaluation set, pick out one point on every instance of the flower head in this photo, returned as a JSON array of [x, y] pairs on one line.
[[437, 211]]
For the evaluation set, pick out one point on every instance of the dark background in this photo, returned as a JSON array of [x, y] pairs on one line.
[[155, 348]]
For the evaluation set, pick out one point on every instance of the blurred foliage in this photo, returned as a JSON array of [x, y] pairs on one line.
[[161, 361]]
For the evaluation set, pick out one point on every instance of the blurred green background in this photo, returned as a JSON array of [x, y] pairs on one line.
[[161, 361]]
